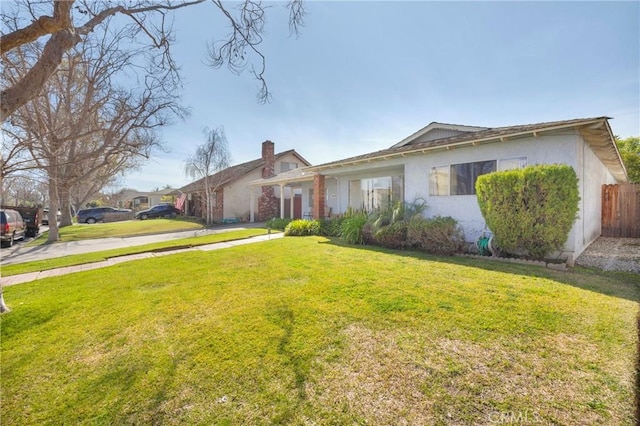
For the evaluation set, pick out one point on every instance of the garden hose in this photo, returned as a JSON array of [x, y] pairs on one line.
[[485, 246]]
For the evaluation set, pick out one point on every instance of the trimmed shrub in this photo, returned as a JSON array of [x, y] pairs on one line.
[[351, 228], [530, 209], [438, 235], [301, 227], [278, 223]]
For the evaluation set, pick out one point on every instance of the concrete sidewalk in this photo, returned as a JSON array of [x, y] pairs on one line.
[[23, 254], [23, 278]]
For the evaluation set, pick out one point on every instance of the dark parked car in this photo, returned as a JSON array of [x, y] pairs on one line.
[[161, 210], [96, 214], [12, 227]]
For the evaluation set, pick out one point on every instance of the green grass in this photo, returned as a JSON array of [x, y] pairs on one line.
[[309, 331], [127, 228], [81, 259]]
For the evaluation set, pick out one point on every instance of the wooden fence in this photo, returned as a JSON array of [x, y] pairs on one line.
[[621, 210]]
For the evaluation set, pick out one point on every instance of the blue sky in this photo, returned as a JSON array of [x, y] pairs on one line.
[[364, 75]]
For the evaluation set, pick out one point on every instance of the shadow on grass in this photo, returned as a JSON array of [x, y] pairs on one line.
[[617, 284]]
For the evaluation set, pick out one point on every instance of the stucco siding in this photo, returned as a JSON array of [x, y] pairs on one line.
[[289, 158], [237, 196], [592, 174], [437, 134]]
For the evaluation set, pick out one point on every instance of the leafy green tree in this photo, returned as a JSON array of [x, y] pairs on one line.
[[630, 152]]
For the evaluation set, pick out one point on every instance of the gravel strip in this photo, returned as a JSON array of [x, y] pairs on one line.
[[612, 254]]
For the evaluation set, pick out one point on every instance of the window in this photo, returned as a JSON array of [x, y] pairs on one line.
[[285, 166], [375, 193], [310, 198], [458, 179], [512, 163], [439, 181], [464, 176]]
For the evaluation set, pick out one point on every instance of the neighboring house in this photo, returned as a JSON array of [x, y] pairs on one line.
[[167, 195], [136, 200], [440, 164], [236, 200]]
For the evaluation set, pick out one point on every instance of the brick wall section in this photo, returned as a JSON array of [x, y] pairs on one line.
[[318, 196], [268, 204], [269, 158]]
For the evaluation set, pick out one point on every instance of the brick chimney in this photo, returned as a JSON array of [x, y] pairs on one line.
[[269, 158], [268, 205]]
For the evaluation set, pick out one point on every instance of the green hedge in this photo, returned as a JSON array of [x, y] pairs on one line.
[[301, 227], [530, 209]]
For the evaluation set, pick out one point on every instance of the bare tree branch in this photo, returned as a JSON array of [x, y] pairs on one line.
[[42, 26], [64, 36]]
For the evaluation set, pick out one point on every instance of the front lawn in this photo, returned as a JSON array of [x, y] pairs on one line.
[[127, 228], [308, 331]]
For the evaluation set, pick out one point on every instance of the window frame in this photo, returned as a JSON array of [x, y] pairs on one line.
[[434, 170], [524, 162]]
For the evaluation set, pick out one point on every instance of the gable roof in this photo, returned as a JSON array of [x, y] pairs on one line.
[[595, 131], [433, 131], [233, 173]]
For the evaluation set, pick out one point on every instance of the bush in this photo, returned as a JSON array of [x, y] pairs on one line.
[[393, 235], [530, 209], [330, 227], [438, 235], [351, 228], [301, 227], [278, 223]]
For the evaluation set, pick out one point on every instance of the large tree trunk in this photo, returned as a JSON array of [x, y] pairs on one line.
[[65, 207], [54, 204], [3, 306]]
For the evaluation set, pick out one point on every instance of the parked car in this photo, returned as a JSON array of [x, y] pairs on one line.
[[12, 227], [45, 216], [96, 214], [32, 217], [161, 210]]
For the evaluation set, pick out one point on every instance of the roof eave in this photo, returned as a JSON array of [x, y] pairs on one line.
[[491, 139]]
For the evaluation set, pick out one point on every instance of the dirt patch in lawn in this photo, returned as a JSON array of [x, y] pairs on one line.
[[387, 377]]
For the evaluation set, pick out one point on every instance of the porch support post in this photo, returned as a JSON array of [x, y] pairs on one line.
[[281, 201], [318, 196], [291, 197], [251, 206]]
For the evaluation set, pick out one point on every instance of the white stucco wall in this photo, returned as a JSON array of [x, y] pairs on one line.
[[564, 148], [237, 196], [592, 174]]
